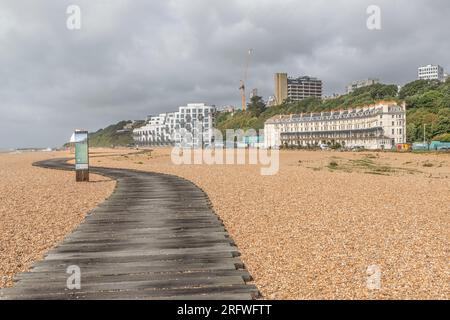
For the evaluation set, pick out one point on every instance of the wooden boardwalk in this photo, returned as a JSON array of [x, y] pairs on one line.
[[156, 237]]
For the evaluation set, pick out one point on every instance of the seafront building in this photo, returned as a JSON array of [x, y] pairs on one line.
[[296, 89], [379, 126], [195, 120], [157, 130], [431, 72], [361, 84]]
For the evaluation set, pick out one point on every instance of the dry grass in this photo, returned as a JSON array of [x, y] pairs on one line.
[[370, 164]]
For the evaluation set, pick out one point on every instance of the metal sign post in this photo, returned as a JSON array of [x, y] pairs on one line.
[[81, 155]]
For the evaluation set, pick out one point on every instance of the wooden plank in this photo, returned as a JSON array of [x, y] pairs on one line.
[[155, 265], [104, 277], [160, 285], [147, 293]]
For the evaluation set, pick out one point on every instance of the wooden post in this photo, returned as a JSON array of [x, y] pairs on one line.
[[81, 156], [82, 175]]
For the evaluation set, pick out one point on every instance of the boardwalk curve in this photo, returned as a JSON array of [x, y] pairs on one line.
[[155, 237]]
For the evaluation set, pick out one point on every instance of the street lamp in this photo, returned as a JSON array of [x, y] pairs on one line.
[[424, 133], [200, 118]]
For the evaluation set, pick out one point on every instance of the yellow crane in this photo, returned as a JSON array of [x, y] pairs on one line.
[[243, 82]]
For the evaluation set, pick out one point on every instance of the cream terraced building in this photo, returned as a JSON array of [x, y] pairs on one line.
[[379, 126]]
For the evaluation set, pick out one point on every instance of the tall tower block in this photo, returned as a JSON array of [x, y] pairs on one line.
[[281, 90]]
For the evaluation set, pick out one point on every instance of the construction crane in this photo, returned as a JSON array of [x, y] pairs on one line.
[[243, 82]]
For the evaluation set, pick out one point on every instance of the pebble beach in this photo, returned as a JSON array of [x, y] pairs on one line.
[[312, 231]]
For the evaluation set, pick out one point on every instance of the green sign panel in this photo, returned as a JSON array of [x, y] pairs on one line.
[[81, 150]]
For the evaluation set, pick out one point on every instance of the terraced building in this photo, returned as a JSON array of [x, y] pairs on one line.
[[167, 128], [379, 126]]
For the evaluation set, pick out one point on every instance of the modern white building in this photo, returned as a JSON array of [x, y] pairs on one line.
[[379, 126], [157, 131], [196, 120], [431, 72]]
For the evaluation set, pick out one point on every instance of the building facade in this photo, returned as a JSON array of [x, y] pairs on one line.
[[361, 84], [195, 120], [280, 87], [304, 87], [157, 130], [380, 126], [431, 72], [296, 89]]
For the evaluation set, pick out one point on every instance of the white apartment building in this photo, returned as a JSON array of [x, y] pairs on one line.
[[197, 120], [157, 131], [431, 72], [379, 126], [194, 120]]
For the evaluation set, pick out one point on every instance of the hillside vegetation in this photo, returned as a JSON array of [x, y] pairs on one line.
[[427, 102], [113, 136]]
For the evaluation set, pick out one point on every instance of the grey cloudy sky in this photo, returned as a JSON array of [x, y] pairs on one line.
[[134, 57]]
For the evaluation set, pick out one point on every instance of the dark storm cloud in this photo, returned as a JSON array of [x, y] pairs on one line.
[[133, 58]]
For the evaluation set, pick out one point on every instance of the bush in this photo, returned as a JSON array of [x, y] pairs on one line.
[[333, 164], [442, 138]]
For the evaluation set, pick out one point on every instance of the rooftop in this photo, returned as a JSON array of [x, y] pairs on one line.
[[333, 114]]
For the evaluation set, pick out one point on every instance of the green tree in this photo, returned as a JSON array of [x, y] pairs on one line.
[[427, 102], [256, 106], [414, 88]]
